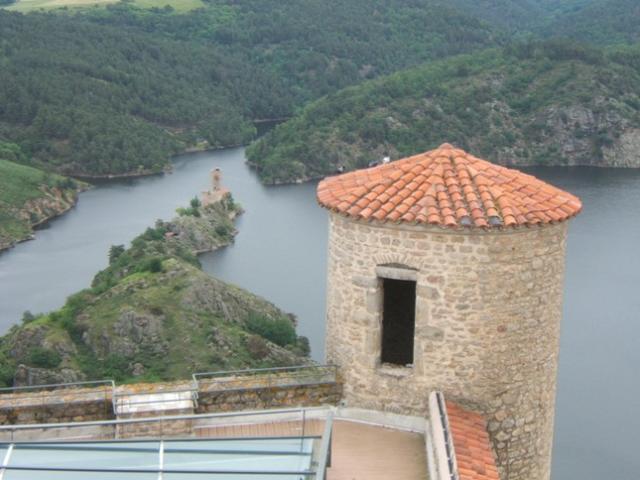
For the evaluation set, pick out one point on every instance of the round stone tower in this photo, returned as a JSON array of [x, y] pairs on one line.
[[445, 272]]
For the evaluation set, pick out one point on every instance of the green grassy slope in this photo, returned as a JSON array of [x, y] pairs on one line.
[[550, 103], [28, 196]]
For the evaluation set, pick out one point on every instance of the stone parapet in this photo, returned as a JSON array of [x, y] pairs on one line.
[[81, 405], [56, 406], [265, 397]]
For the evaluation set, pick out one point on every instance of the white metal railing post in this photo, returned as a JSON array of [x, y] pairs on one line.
[[160, 459], [325, 448], [5, 461]]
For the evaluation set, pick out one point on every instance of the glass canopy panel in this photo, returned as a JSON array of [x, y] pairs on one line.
[[271, 459], [138, 455], [272, 455]]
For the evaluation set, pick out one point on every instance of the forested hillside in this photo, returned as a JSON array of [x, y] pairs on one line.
[[553, 103], [117, 90], [601, 22], [518, 16]]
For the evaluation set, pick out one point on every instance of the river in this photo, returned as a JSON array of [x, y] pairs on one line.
[[280, 253]]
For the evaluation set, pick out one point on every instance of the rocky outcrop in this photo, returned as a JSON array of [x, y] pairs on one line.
[[154, 314], [625, 150], [52, 203], [212, 229], [576, 135], [44, 376]]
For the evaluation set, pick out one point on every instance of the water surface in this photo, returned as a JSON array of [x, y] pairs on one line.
[[280, 253]]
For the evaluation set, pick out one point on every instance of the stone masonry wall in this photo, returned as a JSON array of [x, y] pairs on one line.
[[78, 405], [488, 313], [69, 405], [270, 397]]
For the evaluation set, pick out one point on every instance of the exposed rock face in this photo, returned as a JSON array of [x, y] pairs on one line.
[[133, 331], [625, 151], [54, 202], [569, 135], [35, 212], [208, 232], [43, 376], [582, 136]]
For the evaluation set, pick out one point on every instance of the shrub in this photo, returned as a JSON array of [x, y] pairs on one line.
[[7, 371], [114, 253], [188, 212], [153, 265], [279, 331], [222, 230], [257, 347], [44, 358]]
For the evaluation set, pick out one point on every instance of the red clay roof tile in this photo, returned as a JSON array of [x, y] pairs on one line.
[[443, 180], [471, 443]]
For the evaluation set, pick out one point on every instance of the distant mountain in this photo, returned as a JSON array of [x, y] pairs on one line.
[[518, 16], [553, 103], [118, 90], [601, 22]]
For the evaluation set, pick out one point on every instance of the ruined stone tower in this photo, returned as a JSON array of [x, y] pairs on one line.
[[217, 191], [446, 273]]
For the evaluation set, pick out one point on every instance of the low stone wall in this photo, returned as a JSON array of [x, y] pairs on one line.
[[259, 398], [83, 405], [69, 405]]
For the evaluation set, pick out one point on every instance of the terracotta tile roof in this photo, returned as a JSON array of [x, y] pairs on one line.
[[447, 187], [471, 444]]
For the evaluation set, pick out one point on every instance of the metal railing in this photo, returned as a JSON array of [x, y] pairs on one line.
[[228, 380], [264, 378], [316, 447], [442, 452], [324, 456]]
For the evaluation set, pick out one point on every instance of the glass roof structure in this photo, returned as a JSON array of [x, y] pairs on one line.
[[259, 458]]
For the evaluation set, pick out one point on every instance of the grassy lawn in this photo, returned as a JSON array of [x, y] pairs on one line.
[[31, 5]]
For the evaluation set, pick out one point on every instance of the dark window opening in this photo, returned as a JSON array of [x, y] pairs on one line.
[[398, 321]]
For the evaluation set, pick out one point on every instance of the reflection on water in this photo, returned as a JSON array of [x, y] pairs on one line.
[[280, 253]]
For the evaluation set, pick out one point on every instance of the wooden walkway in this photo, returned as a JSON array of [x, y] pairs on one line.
[[359, 451]]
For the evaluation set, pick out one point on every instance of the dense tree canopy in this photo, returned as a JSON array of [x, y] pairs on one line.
[[117, 90], [532, 103]]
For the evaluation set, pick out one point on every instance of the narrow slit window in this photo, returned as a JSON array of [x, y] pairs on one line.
[[398, 321]]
